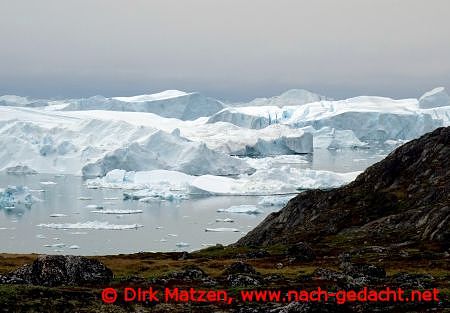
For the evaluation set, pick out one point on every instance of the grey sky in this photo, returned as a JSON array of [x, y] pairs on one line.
[[226, 48]]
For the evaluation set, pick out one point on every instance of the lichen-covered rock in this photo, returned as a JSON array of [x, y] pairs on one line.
[[56, 270], [239, 268]]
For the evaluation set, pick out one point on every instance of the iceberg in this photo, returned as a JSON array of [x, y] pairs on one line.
[[278, 201], [58, 215], [169, 103], [18, 101], [233, 140], [290, 97], [370, 118], [224, 220], [437, 97], [13, 195], [172, 185], [330, 138], [221, 229], [242, 209], [162, 150], [21, 170]]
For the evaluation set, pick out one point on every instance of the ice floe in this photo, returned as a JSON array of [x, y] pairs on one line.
[[58, 215], [242, 209], [221, 229], [224, 220], [280, 201]]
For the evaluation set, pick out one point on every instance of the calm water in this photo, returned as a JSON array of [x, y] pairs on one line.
[[165, 223]]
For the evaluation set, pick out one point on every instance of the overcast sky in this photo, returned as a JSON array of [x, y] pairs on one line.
[[228, 49]]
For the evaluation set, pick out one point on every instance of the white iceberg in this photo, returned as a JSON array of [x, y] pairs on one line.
[[162, 150], [277, 201], [224, 220], [171, 185], [169, 103], [182, 244], [47, 183], [16, 195], [242, 209], [370, 118], [437, 97], [97, 225], [290, 97], [94, 207], [58, 215], [222, 229]]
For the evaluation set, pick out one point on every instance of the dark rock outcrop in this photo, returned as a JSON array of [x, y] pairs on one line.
[[56, 270], [405, 197]]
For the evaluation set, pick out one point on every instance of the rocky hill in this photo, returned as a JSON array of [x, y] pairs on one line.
[[404, 198]]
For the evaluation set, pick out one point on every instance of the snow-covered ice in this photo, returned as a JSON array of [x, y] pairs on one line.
[[437, 97], [241, 209], [162, 150], [280, 201], [224, 220], [172, 185], [170, 103], [290, 97]]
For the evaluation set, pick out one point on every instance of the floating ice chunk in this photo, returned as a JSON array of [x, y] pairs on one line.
[[111, 198], [244, 209], [163, 240], [48, 183], [222, 229], [21, 170], [91, 225], [172, 235], [275, 200], [55, 245], [330, 138], [117, 211], [58, 215], [224, 220], [94, 206], [155, 194], [74, 247], [182, 244], [15, 195], [41, 236], [84, 198]]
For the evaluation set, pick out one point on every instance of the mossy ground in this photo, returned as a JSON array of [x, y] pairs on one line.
[[18, 298]]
